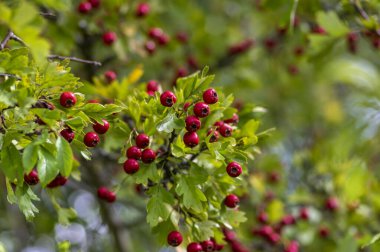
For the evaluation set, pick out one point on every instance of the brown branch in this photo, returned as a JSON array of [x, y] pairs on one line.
[[362, 12], [10, 35], [58, 57], [10, 75]]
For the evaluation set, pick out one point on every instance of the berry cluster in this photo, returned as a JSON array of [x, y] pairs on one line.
[[175, 239], [105, 194], [135, 153]]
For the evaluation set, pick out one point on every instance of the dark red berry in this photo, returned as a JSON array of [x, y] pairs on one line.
[[293, 246], [324, 232], [91, 139], [332, 204], [109, 38], [131, 166], [152, 85], [142, 141], [163, 39], [111, 197], [194, 247], [208, 246], [84, 7], [148, 156], [318, 30], [234, 119], [192, 123], [68, 134], [31, 178], [191, 139], [186, 106], [150, 46], [304, 213], [214, 137], [201, 109], [288, 220], [142, 9], [101, 128], [94, 3], [182, 37], [59, 180], [299, 51], [274, 238], [181, 72], [155, 32], [274, 177], [262, 218], [110, 76], [217, 247], [270, 44], [102, 192], [134, 152], [150, 93], [174, 238], [231, 201], [168, 99], [218, 124], [67, 99], [225, 130], [234, 169], [210, 96]]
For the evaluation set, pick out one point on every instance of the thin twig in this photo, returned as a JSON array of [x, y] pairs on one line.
[[10, 75], [362, 12], [58, 57], [10, 35]]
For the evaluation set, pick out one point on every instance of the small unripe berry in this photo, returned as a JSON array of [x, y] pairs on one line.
[[168, 99], [110, 76], [84, 7], [142, 9], [59, 180], [109, 38], [234, 169], [142, 141], [174, 238], [131, 166], [208, 246], [152, 85], [194, 247], [150, 46], [192, 123], [101, 128], [225, 130], [67, 99], [191, 139], [31, 178], [214, 137], [134, 152], [210, 96], [231, 201], [148, 156], [68, 134], [94, 3], [201, 109], [91, 139]]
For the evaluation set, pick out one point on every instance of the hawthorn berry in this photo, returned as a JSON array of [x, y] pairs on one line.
[[288, 220], [225, 130], [94, 3], [234, 169], [91, 139], [191, 139], [163, 39], [262, 217], [109, 38], [194, 247], [217, 247], [332, 204], [84, 7], [234, 119], [214, 137], [150, 47], [59, 180], [31, 178], [101, 128], [110, 76], [192, 123], [210, 96], [174, 238], [293, 246], [218, 124], [142, 141], [68, 134], [67, 99], [111, 197], [324, 232], [231, 201], [102, 192], [142, 9], [182, 37], [274, 238], [152, 85], [134, 152], [318, 30], [208, 246], [186, 106], [304, 213], [168, 99], [155, 32], [131, 166], [201, 109], [148, 156]]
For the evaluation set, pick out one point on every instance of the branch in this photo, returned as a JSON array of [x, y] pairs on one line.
[[10, 35], [10, 75], [359, 9], [58, 57]]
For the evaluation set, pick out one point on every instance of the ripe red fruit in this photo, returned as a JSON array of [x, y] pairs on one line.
[[234, 169], [210, 96], [288, 220], [274, 177], [174, 238], [201, 109], [270, 44], [292, 247], [214, 137], [101, 128], [148, 156], [67, 99], [231, 201], [109, 38], [68, 134], [142, 141], [134, 152], [225, 130], [191, 139], [181, 72], [91, 139], [304, 213], [111, 197], [59, 180], [152, 85], [229, 235], [234, 119], [186, 106], [217, 247], [84, 7], [318, 30], [102, 192], [262, 218], [142, 9], [192, 123], [155, 32], [163, 39], [31, 178], [110, 76], [194, 247], [131, 166], [94, 3], [298, 51], [324, 232], [218, 124], [332, 204], [182, 37], [168, 99], [274, 238], [208, 246], [150, 46]]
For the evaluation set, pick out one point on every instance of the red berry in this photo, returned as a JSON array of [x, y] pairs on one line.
[[142, 141], [110, 76], [288, 220], [181, 72], [59, 180], [131, 166], [84, 7], [152, 85], [155, 32], [150, 93], [214, 137], [134, 152], [270, 44], [94, 3], [299, 51], [93, 101], [174, 238], [91, 139], [163, 39], [332, 204], [194, 247], [201, 109], [234, 169], [304, 213], [225, 130], [150, 46], [168, 99], [210, 96], [109, 38], [234, 119], [67, 99], [67, 134], [231, 201], [142, 9], [208, 246], [111, 197], [148, 156], [229, 235], [102, 192], [191, 139], [324, 232], [318, 30], [274, 177], [101, 128], [186, 106], [262, 218], [31, 178], [274, 238], [293, 69], [217, 247], [192, 123], [218, 124], [292, 247]]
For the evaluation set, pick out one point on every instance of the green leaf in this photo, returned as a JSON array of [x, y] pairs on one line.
[[46, 167], [169, 123], [145, 173], [98, 111], [331, 23], [192, 195], [232, 218], [30, 157], [204, 230], [375, 239], [11, 163], [162, 230], [159, 205], [64, 157], [25, 197]]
